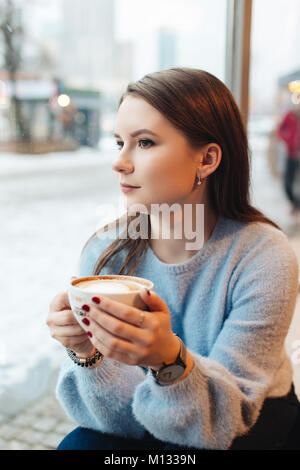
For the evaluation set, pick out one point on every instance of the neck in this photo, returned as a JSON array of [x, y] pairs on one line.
[[171, 237]]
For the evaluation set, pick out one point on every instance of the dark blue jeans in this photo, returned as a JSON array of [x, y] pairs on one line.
[[277, 428], [87, 439], [292, 167]]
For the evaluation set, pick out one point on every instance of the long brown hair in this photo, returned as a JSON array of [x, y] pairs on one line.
[[200, 106]]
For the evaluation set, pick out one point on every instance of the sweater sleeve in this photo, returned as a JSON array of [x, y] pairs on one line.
[[100, 398], [221, 397]]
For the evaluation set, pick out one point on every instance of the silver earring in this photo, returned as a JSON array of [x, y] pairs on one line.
[[199, 182]]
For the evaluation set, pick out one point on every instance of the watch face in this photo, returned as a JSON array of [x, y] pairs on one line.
[[170, 373]]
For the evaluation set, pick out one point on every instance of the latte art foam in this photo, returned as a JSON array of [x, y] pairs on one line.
[[109, 286]]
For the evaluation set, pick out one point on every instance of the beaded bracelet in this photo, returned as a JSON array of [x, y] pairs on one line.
[[85, 361]]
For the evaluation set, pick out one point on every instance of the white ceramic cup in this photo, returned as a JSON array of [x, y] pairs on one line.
[[125, 289]]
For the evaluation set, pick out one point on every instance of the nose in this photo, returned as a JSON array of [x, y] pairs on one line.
[[122, 165]]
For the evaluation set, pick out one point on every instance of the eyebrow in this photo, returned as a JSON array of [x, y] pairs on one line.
[[138, 132]]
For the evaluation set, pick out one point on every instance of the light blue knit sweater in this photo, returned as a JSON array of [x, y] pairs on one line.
[[232, 305]]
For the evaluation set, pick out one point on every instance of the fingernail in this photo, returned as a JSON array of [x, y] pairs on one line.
[[86, 321], [86, 308], [96, 300], [89, 334]]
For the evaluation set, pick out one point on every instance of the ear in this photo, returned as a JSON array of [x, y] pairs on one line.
[[212, 156]]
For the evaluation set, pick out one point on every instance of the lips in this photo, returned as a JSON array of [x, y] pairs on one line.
[[128, 186]]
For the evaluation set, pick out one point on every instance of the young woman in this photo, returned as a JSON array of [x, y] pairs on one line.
[[218, 315]]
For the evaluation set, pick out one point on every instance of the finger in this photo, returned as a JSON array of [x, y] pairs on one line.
[[112, 343], [68, 331], [118, 328], [60, 302], [119, 310], [153, 301], [63, 318], [126, 358], [74, 340]]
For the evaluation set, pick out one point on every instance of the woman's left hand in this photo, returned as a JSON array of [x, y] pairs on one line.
[[133, 336]]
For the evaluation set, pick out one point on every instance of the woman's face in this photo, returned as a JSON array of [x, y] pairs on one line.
[[162, 164]]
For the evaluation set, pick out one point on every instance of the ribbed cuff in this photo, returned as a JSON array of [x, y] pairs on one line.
[[107, 372]]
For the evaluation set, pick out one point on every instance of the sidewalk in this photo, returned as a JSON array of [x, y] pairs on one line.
[[41, 426], [20, 164]]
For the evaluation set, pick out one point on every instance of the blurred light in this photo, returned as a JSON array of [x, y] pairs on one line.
[[295, 98], [107, 125], [63, 101], [294, 86]]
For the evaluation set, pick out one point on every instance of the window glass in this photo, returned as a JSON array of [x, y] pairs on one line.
[[273, 132], [63, 67], [274, 92]]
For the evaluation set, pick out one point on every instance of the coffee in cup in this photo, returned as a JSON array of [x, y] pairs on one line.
[[124, 289]]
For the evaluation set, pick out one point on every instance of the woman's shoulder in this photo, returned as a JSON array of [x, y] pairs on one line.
[[267, 235], [255, 233], [261, 245]]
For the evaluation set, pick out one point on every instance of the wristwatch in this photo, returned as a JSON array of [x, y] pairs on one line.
[[169, 373]]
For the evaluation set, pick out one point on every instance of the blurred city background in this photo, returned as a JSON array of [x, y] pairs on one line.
[[63, 67]]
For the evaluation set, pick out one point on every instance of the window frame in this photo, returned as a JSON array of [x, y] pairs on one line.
[[238, 49]]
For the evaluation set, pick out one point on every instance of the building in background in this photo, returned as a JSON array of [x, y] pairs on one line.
[[89, 54]]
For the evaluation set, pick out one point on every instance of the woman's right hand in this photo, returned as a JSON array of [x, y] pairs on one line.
[[65, 328]]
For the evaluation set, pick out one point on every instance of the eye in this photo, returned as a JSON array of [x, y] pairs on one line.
[[144, 143], [147, 141]]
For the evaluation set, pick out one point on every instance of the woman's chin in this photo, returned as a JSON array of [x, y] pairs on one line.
[[136, 206]]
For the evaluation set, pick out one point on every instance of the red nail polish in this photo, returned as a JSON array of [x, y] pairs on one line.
[[89, 334], [86, 321], [96, 300], [86, 308]]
